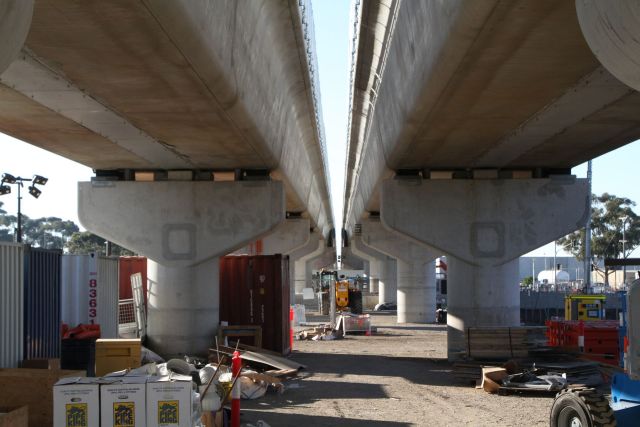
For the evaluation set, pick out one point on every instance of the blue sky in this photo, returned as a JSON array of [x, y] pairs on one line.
[[616, 172]]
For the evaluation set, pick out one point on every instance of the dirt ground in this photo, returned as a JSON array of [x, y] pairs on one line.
[[398, 377]]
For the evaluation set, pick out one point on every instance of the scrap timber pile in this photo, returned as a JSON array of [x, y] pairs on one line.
[[504, 342], [518, 360]]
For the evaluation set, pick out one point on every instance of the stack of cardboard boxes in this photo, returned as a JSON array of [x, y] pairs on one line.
[[123, 401]]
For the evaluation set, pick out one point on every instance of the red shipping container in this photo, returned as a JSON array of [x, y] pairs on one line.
[[254, 290], [129, 265]]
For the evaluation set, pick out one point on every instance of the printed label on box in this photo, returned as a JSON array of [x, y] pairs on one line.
[[76, 415], [168, 412], [124, 414]]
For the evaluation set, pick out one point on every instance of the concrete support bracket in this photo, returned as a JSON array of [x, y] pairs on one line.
[[177, 223], [484, 226], [182, 227], [416, 295]]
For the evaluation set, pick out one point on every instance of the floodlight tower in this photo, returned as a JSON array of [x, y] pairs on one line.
[[19, 182]]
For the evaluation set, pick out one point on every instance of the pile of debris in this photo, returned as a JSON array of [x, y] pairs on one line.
[[346, 323], [523, 376], [320, 333]]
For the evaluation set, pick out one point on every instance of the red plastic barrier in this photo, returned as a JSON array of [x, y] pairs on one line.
[[600, 338]]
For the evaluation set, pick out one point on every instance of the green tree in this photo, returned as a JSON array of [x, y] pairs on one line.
[[84, 242], [527, 281], [609, 214]]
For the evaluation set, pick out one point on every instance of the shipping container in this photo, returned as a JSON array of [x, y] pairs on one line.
[[254, 290], [41, 303], [11, 304], [130, 265], [89, 292]]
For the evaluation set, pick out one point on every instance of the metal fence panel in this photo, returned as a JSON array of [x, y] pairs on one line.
[[11, 304], [41, 303]]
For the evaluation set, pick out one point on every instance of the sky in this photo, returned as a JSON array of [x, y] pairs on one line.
[[615, 172]]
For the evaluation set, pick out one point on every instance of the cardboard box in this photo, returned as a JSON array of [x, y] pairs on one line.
[[169, 401], [123, 402], [76, 402], [14, 417], [41, 364], [32, 388], [117, 354]]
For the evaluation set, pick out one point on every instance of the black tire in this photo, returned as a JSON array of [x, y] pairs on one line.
[[584, 406], [355, 302]]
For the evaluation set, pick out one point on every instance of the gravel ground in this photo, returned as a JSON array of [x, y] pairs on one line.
[[398, 377]]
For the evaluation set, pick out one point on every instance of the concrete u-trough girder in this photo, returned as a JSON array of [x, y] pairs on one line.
[[382, 270], [182, 227], [484, 226], [612, 31], [416, 284], [15, 21]]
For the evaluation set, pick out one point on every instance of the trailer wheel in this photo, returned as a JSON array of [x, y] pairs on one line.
[[581, 407]]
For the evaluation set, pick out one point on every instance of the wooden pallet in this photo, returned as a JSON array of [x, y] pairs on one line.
[[503, 342]]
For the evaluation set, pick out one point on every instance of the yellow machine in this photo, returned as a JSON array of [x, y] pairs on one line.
[[348, 292], [584, 307], [342, 293]]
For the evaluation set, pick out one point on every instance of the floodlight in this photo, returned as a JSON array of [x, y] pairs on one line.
[[34, 191], [8, 178], [40, 180], [4, 189]]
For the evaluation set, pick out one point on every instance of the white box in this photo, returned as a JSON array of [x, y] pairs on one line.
[[123, 402], [169, 401], [76, 402]]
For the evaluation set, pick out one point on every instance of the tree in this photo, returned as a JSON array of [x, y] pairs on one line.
[[527, 281], [84, 242], [608, 214]]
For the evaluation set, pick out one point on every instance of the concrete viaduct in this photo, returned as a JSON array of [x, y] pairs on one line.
[[466, 118], [202, 121]]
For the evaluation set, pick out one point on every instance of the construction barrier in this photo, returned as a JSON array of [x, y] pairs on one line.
[[598, 340]]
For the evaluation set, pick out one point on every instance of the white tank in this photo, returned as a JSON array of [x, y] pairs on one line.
[[547, 276]]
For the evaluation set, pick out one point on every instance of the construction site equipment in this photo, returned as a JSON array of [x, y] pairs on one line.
[[599, 343], [587, 407], [584, 307], [348, 292]]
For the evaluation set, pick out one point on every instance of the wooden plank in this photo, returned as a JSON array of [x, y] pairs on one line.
[[237, 331], [268, 360]]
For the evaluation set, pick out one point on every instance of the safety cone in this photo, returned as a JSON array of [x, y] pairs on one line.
[[236, 392]]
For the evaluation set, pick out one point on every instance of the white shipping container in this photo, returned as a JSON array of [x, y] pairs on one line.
[[89, 292], [11, 304]]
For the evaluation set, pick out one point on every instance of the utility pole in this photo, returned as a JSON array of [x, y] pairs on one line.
[[587, 236], [19, 234]]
